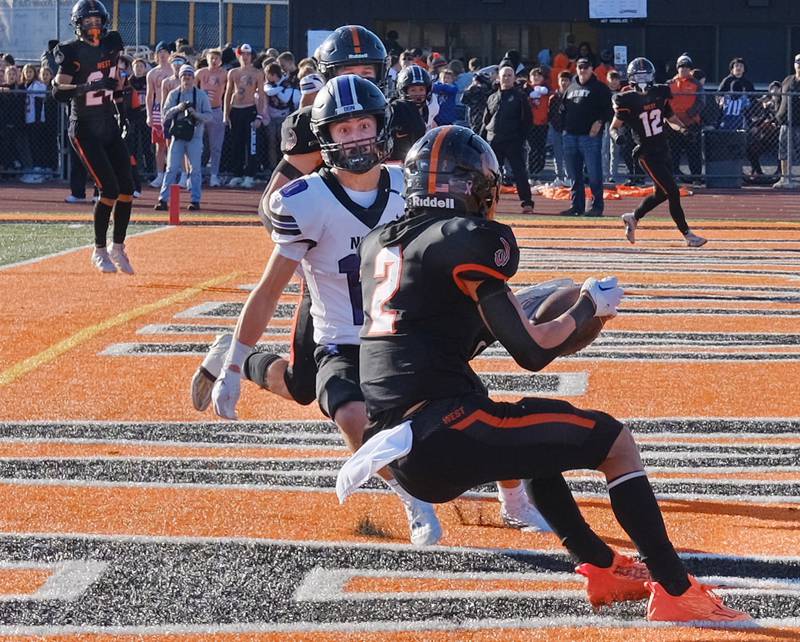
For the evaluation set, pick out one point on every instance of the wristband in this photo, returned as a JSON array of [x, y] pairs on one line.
[[237, 354]]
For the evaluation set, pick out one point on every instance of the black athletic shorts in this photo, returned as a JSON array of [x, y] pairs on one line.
[[337, 377], [463, 442]]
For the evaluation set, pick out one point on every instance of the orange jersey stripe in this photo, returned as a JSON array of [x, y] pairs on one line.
[[474, 267], [86, 162], [649, 171], [534, 419]]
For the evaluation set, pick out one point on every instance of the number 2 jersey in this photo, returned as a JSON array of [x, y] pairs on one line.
[[86, 63], [421, 325], [314, 221], [645, 115]]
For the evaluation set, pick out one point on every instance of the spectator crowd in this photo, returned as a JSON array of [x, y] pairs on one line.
[[558, 106]]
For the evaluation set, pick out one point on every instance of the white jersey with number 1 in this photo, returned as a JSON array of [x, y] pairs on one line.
[[315, 222]]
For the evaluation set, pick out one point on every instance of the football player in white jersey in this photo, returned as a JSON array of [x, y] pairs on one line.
[[318, 221]]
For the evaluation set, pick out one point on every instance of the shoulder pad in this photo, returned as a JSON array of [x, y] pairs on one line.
[[113, 40], [623, 99], [479, 248], [296, 135], [64, 52], [294, 187]]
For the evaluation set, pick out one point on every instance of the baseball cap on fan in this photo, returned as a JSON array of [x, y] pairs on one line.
[[244, 48], [684, 61]]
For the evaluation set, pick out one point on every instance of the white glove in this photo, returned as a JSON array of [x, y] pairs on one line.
[[225, 393], [605, 294]]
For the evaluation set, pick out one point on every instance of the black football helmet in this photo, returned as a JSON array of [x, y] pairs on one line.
[[83, 9], [641, 73], [352, 45], [411, 76], [452, 168], [342, 98]]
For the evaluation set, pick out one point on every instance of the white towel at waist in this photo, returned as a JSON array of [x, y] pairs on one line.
[[382, 449]]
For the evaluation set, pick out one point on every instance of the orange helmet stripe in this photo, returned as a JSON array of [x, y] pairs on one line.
[[434, 166], [356, 40]]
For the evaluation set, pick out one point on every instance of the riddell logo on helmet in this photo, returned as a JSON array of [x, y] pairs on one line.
[[432, 201], [361, 55]]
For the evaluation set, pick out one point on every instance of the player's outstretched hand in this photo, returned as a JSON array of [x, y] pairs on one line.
[[225, 393], [605, 294]]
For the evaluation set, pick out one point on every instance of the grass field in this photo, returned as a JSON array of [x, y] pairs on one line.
[[23, 241]]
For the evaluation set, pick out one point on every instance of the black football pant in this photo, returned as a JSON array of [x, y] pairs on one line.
[[659, 168], [243, 141], [514, 152], [104, 154]]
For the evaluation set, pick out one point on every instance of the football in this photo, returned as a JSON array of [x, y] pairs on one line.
[[558, 302]]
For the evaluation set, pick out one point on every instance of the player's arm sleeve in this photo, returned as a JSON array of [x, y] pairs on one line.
[[295, 228], [506, 321]]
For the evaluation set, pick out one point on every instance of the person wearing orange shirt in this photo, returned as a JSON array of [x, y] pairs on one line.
[[606, 65], [687, 105], [537, 135]]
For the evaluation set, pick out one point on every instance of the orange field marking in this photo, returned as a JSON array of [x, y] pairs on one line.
[[22, 581], [286, 515]]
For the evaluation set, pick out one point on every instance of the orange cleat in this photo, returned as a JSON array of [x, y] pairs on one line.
[[625, 580], [698, 603]]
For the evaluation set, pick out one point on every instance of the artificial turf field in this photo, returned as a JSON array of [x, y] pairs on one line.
[[127, 515]]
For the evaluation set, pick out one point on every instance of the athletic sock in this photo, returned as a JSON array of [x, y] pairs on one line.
[[101, 216], [122, 216], [398, 490], [256, 367], [512, 495], [555, 502], [637, 511]]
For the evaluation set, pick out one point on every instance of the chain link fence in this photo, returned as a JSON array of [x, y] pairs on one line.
[[734, 140]]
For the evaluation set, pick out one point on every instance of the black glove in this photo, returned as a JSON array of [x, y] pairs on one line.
[[104, 84]]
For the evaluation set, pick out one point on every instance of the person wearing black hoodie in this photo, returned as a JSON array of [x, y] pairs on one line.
[[506, 123], [587, 108]]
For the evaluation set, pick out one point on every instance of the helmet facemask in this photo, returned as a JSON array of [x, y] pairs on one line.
[[92, 28], [356, 156]]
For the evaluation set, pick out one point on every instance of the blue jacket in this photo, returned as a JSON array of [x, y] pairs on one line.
[[447, 102]]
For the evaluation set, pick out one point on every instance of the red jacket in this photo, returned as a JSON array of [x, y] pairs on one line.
[[685, 102]]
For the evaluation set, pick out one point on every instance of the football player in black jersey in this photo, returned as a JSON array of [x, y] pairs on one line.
[[430, 281], [87, 78], [410, 109], [645, 109]]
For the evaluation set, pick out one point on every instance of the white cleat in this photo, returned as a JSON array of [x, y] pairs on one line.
[[158, 180], [423, 523], [74, 199], [524, 515], [236, 181], [102, 261], [120, 259], [207, 373], [136, 193], [692, 240], [248, 182], [630, 226]]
